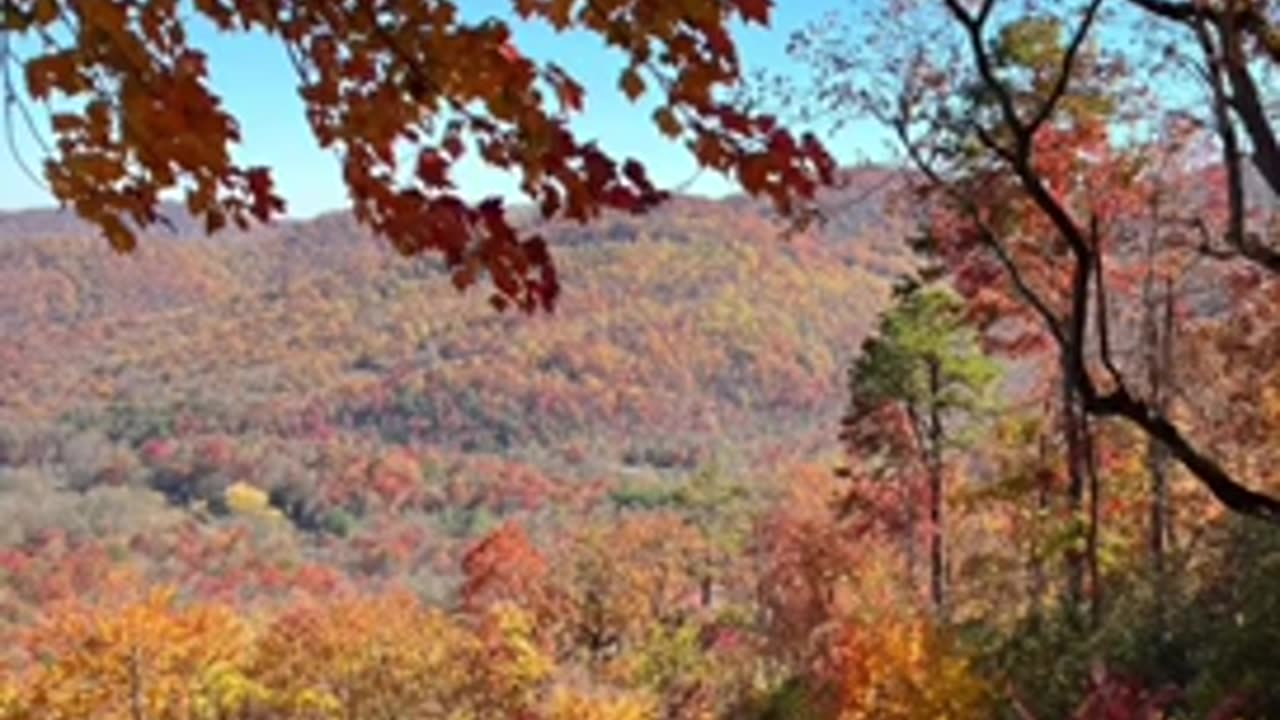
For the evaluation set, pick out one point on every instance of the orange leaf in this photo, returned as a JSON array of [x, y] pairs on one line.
[[631, 83], [667, 122], [755, 10], [433, 169]]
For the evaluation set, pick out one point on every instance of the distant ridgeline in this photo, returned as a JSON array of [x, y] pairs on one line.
[[306, 378]]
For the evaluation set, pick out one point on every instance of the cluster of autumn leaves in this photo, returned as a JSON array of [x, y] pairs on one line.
[[375, 77]]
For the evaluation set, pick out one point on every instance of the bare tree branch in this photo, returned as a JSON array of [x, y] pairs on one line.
[[1066, 68], [1101, 310], [1179, 11]]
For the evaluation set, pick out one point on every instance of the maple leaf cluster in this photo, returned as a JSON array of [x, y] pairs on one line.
[[400, 90]]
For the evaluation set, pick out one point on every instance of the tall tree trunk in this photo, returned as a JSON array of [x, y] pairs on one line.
[[707, 583], [1157, 454], [137, 694], [912, 520], [1168, 369], [911, 544], [937, 496], [1076, 485], [1157, 342], [1044, 486], [1094, 530]]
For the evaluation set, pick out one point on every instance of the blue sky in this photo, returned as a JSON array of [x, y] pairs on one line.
[[257, 84]]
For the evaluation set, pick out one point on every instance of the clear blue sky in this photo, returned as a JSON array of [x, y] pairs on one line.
[[257, 84]]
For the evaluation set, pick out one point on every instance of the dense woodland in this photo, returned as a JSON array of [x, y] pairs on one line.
[[985, 433]]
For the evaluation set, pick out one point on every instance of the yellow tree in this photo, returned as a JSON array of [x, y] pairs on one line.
[[387, 656], [901, 669], [609, 602], [569, 704], [146, 658]]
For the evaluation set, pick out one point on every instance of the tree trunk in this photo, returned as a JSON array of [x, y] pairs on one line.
[[1094, 530], [911, 539], [1076, 484], [1044, 487], [1157, 453], [137, 695], [911, 535], [1167, 390], [707, 586], [937, 496], [1157, 351]]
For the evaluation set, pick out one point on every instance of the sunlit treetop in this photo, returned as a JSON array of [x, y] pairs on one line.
[[400, 90]]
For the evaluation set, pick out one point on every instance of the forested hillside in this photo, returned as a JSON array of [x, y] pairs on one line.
[[376, 420], [987, 430]]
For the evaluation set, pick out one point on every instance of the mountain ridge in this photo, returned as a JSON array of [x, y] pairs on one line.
[[265, 307]]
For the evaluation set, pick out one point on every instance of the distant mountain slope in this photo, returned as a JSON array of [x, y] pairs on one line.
[[698, 321], [246, 413]]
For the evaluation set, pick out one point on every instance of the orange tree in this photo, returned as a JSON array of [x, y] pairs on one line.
[[144, 656], [134, 116]]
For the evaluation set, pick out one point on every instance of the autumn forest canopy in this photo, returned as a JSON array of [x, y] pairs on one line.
[[981, 429]]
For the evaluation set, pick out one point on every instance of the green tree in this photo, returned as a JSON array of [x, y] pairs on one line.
[[719, 506], [924, 367]]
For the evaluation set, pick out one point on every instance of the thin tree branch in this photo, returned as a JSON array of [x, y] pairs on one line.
[[1226, 63], [986, 233], [1038, 303], [1119, 402], [1067, 67], [974, 26], [1169, 10], [1101, 311], [1247, 102], [1219, 482]]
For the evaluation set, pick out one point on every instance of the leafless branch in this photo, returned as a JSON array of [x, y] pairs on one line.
[[1101, 311], [12, 103], [1067, 67]]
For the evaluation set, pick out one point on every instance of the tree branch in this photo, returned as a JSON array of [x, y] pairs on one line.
[[973, 26], [1101, 311], [1170, 10], [1219, 482], [1227, 64], [1038, 303], [1119, 402], [1064, 71], [1246, 98]]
